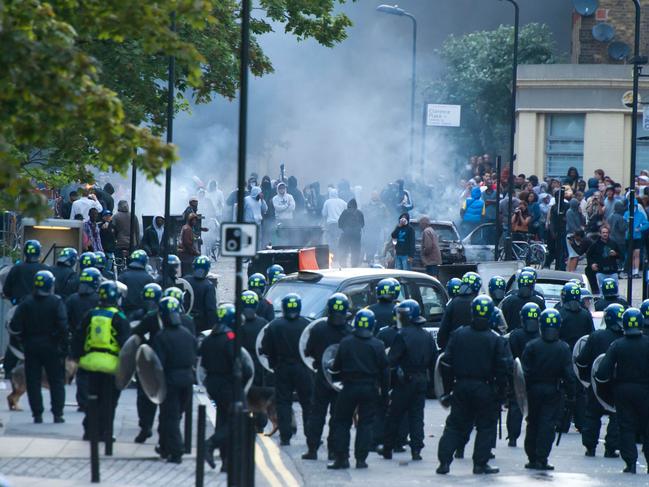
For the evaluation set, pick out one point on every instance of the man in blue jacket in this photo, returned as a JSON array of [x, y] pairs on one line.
[[473, 210], [404, 235]]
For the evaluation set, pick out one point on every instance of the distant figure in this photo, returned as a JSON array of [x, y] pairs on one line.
[[331, 211], [351, 223], [188, 249], [122, 220], [283, 203], [154, 237]]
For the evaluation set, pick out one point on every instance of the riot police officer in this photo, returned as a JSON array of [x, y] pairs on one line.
[[257, 283], [453, 287], [149, 324], [413, 354], [186, 320], [644, 309], [609, 295], [100, 258], [324, 333], [273, 273], [518, 339], [547, 367], [625, 366], [87, 259], [361, 365], [458, 310], [176, 349], [252, 325], [512, 304], [598, 343], [135, 277], [41, 324], [497, 289], [66, 278], [169, 274], [77, 305], [281, 344], [475, 362], [576, 322], [96, 346], [387, 292], [204, 309], [217, 358]]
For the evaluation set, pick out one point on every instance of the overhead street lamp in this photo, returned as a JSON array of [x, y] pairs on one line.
[[396, 10]]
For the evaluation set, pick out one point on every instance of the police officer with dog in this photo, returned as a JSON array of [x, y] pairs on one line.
[[387, 293], [204, 309], [458, 310]]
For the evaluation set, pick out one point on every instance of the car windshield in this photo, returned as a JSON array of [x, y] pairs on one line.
[[314, 296], [445, 232], [551, 290]]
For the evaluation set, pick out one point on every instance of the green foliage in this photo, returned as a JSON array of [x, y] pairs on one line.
[[82, 84], [478, 76]]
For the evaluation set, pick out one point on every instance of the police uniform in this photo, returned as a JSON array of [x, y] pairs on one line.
[[625, 365], [281, 345], [135, 279], [383, 311], [361, 365], [67, 280], [257, 284], [204, 310], [476, 360], [511, 307], [249, 332], [602, 303], [176, 349], [458, 309], [547, 365], [265, 309], [413, 354]]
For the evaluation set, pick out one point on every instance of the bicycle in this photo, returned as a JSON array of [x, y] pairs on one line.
[[533, 253]]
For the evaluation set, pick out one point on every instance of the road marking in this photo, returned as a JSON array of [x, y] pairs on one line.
[[260, 463], [276, 461]]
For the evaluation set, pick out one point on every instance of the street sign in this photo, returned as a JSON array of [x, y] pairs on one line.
[[238, 239], [645, 118], [443, 115]]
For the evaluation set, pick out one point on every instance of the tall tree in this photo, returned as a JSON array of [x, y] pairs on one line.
[[478, 77], [81, 85]]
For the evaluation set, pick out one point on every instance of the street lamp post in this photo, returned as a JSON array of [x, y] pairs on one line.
[[396, 10], [171, 71], [512, 134]]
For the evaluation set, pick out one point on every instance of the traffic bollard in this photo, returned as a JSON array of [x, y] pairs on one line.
[[200, 446], [241, 461], [108, 445], [188, 424], [93, 433]]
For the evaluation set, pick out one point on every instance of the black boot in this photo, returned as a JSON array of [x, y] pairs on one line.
[[209, 455], [385, 452], [142, 436], [361, 463], [629, 469], [310, 455], [339, 464], [485, 469], [590, 452], [544, 465], [59, 419], [443, 468], [416, 455], [611, 453]]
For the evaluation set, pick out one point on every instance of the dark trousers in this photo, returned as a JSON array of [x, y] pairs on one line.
[[352, 247], [171, 412], [81, 378], [593, 423], [355, 395], [221, 392], [544, 404], [291, 378], [323, 400], [514, 421], [378, 429], [145, 409], [103, 386], [578, 411], [473, 403], [632, 407], [38, 358], [406, 399]]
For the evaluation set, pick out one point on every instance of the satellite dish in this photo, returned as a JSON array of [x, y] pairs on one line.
[[619, 50], [585, 8], [603, 32]]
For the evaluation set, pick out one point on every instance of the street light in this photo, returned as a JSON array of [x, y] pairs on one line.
[[512, 135], [396, 10]]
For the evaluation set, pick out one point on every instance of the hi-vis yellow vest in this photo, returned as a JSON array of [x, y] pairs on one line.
[[101, 350]]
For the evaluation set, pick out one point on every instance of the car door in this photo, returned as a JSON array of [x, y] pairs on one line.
[[479, 244], [359, 293], [432, 298]]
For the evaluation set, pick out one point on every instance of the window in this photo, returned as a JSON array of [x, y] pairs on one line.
[[359, 295], [564, 144], [432, 300], [484, 235], [642, 154]]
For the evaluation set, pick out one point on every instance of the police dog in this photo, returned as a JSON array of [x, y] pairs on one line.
[[19, 382]]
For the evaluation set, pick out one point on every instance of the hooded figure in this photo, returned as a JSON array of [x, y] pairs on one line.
[[254, 206], [122, 221], [473, 208], [593, 187], [574, 218], [297, 195], [618, 224], [351, 222], [153, 239]]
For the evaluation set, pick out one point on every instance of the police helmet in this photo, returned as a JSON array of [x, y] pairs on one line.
[[338, 309], [100, 260], [453, 287], [257, 283], [497, 288], [363, 324], [87, 259], [139, 259], [173, 264], [471, 283], [409, 312], [609, 287], [43, 283], [644, 309], [571, 296], [388, 289], [272, 272], [291, 306], [525, 282], [67, 257], [249, 301], [109, 294], [632, 322], [528, 268], [482, 310], [89, 280], [613, 317], [151, 294], [201, 266], [550, 324], [170, 311], [174, 292], [530, 314], [32, 250], [586, 298], [226, 314], [277, 277]]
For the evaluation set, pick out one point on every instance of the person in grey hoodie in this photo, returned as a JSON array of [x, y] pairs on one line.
[[122, 221], [575, 221], [619, 228]]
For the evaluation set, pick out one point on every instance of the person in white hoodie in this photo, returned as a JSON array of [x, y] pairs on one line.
[[254, 208], [283, 203], [331, 211]]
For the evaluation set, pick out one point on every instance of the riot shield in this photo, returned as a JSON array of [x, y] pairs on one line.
[[150, 374], [520, 389], [126, 367], [603, 390], [328, 358], [188, 299], [304, 339], [580, 371], [247, 370], [263, 359]]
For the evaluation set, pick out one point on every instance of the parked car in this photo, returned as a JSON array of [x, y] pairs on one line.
[[479, 244]]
